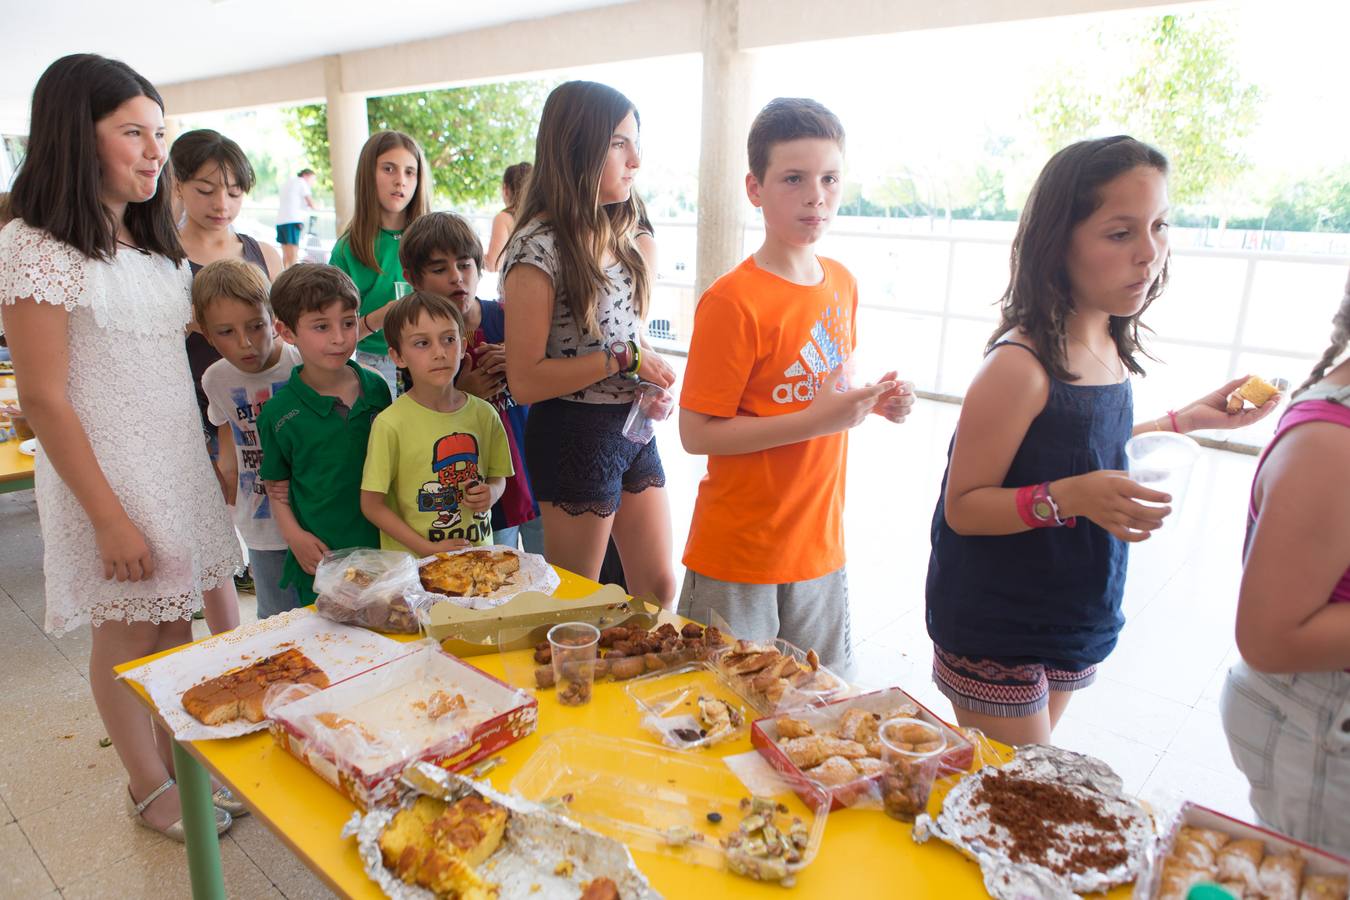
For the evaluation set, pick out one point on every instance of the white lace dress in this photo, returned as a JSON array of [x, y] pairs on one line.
[[129, 384]]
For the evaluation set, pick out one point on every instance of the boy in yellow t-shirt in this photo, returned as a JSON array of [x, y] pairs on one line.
[[438, 457]]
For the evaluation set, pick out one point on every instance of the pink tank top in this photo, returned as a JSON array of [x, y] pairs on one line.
[[1295, 415]]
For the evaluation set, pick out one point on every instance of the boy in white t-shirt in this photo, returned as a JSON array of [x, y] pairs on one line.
[[229, 302]]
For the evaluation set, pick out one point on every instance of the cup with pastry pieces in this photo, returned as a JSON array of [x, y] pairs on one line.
[[911, 752]]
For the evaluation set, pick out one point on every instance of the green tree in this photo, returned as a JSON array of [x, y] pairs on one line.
[[469, 134], [1183, 92]]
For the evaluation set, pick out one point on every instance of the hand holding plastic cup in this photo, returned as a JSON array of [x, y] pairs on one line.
[[651, 404], [1162, 461], [911, 750], [574, 648]]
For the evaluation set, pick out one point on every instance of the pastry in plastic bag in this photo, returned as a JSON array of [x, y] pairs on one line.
[[369, 588]]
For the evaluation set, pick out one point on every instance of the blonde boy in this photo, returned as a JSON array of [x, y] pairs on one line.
[[231, 307]]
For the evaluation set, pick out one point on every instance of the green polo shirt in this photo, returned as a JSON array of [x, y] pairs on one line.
[[377, 288], [308, 440]]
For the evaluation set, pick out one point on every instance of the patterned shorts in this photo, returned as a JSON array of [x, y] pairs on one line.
[[579, 460], [1009, 687]]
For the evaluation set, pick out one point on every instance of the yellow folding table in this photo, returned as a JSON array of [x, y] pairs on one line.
[[864, 853]]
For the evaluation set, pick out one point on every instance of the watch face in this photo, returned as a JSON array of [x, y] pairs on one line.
[[1041, 510]]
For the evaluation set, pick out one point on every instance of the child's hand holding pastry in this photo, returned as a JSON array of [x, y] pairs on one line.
[[479, 379], [835, 409], [478, 497], [894, 405], [1212, 411]]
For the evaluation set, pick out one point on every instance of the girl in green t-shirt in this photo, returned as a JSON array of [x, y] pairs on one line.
[[393, 187]]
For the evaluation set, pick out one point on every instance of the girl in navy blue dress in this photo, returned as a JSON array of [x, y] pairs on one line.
[[1029, 537]]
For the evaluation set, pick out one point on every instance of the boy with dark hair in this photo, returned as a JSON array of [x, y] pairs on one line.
[[441, 253], [315, 429], [438, 458], [765, 398]]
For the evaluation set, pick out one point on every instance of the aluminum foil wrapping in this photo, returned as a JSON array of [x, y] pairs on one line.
[[966, 825], [537, 841]]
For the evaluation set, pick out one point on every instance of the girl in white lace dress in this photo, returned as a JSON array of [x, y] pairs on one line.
[[94, 296]]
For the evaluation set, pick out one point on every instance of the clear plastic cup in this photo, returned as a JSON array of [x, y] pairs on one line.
[[651, 404], [911, 750], [402, 289], [1162, 461], [574, 647]]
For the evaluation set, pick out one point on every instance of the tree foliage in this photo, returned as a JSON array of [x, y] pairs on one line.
[[469, 134], [1183, 92]]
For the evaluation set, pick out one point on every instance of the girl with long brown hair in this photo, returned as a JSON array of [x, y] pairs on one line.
[[1030, 534], [576, 292], [393, 188], [514, 180], [94, 296]]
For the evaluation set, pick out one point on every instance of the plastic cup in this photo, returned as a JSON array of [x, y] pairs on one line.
[[402, 289], [911, 750], [574, 646], [651, 404], [1162, 461]]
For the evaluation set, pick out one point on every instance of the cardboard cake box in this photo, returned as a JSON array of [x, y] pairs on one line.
[[958, 757], [360, 734], [524, 620], [1315, 861]]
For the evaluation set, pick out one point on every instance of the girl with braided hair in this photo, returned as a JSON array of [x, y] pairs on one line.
[[1286, 703]]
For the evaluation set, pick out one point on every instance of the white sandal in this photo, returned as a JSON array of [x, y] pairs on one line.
[[175, 831]]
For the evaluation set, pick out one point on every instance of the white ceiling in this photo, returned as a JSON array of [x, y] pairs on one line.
[[181, 40]]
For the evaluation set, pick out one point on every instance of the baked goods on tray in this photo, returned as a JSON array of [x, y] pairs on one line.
[[847, 752], [239, 693], [629, 652], [440, 845], [765, 675], [1242, 867], [475, 573]]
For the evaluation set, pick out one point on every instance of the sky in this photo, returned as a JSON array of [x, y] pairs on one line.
[[928, 102], [933, 98]]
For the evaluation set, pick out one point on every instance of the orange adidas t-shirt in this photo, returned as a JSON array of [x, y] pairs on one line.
[[761, 347]]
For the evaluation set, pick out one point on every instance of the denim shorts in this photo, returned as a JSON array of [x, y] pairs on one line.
[[272, 597], [579, 460]]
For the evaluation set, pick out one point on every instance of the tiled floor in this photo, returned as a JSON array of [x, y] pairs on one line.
[[1153, 714]]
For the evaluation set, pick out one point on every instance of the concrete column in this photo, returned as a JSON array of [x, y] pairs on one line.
[[173, 127], [722, 162], [348, 129]]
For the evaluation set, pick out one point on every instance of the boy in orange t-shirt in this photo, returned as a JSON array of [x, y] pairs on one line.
[[766, 399]]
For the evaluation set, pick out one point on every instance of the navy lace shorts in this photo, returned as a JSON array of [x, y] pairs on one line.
[[579, 460]]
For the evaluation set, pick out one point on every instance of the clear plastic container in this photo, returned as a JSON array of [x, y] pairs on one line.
[[651, 404], [912, 751], [681, 805], [1162, 461], [770, 696], [574, 646], [682, 707]]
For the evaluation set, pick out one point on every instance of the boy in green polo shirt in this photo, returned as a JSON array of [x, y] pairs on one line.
[[315, 429]]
